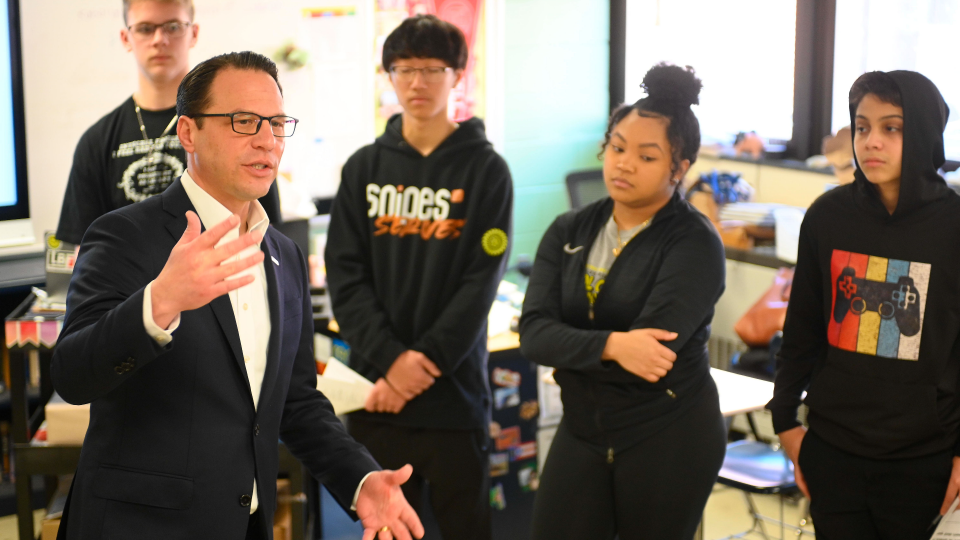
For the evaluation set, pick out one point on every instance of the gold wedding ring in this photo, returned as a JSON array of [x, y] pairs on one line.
[[384, 529]]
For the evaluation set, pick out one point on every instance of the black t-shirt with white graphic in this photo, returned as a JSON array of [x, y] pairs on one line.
[[114, 166]]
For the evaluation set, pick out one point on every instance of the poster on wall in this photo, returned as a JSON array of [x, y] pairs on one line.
[[468, 99]]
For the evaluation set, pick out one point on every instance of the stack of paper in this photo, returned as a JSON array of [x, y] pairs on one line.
[[346, 389], [760, 214], [949, 526]]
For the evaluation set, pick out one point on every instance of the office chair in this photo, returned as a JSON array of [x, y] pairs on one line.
[[756, 467], [585, 187]]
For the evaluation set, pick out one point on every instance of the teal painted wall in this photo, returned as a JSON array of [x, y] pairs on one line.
[[556, 105]]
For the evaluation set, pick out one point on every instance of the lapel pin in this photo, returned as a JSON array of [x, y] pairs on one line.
[[275, 261]]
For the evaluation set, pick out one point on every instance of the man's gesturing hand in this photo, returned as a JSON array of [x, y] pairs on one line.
[[195, 272], [384, 511], [411, 374]]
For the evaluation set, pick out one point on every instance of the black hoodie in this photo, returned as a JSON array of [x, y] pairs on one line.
[[415, 252], [874, 317]]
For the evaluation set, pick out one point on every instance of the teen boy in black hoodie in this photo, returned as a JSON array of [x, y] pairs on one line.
[[416, 249], [873, 323]]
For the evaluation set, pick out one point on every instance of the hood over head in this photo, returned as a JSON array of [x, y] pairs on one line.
[[925, 115]]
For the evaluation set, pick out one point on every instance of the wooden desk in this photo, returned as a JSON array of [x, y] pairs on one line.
[[503, 342]]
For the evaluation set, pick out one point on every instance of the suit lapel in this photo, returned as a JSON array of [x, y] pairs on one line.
[[271, 266], [223, 309]]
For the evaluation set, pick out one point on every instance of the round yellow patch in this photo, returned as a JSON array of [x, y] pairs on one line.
[[53, 242], [494, 242]]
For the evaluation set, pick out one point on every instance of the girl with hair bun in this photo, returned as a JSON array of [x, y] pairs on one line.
[[620, 302]]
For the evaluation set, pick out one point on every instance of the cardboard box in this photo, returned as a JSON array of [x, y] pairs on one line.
[[49, 529], [66, 424], [283, 518]]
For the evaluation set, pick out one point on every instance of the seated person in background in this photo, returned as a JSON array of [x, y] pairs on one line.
[[195, 350], [872, 332], [133, 152], [415, 252], [620, 302]]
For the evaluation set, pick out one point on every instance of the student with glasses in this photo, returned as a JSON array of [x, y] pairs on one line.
[[133, 152], [416, 248]]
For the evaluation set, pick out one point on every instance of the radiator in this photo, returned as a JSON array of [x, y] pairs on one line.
[[721, 349]]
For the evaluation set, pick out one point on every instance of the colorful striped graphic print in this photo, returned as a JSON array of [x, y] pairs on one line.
[[878, 305]]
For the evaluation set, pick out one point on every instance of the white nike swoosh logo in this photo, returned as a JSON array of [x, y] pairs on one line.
[[571, 250]]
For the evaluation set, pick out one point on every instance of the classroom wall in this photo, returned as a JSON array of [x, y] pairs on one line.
[[548, 98], [76, 70], [556, 105]]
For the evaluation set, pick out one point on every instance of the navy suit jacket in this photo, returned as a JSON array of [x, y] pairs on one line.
[[174, 440]]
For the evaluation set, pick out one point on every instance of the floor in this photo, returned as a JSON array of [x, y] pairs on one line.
[[726, 515]]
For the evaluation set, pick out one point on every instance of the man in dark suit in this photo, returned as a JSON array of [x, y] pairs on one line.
[[195, 348]]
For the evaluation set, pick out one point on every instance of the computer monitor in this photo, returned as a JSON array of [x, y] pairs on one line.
[[15, 227]]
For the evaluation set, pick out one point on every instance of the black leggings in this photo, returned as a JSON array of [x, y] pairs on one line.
[[654, 490]]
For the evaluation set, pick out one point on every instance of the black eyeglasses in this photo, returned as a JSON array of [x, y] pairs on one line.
[[432, 75], [247, 123], [173, 29]]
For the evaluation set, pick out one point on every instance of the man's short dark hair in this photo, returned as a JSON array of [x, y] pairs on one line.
[[426, 36], [877, 83], [193, 95]]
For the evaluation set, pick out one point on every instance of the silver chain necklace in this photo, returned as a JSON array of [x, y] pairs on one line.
[[157, 147]]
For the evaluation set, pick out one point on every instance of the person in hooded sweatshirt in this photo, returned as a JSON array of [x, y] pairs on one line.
[[415, 252], [872, 327], [620, 302]]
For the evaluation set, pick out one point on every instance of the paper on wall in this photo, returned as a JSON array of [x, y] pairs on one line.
[[346, 389]]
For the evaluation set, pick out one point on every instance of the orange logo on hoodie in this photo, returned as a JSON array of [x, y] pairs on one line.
[[409, 210]]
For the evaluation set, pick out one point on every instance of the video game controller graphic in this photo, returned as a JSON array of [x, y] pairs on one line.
[[900, 300]]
